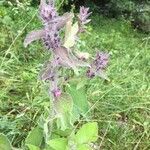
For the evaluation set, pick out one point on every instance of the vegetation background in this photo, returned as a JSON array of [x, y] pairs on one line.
[[121, 106]]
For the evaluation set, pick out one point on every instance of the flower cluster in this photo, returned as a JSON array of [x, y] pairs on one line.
[[52, 25], [62, 56], [47, 11], [48, 14], [83, 15], [83, 18], [52, 38], [98, 66]]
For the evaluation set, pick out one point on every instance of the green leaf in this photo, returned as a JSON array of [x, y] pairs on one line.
[[87, 133], [64, 109], [58, 144], [35, 137], [79, 99], [83, 147], [62, 133], [4, 143], [33, 147]]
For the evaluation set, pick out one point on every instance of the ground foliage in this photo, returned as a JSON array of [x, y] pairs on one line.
[[121, 107]]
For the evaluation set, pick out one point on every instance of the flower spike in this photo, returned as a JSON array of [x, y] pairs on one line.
[[98, 66], [62, 54]]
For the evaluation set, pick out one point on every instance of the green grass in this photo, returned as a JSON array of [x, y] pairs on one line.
[[121, 106]]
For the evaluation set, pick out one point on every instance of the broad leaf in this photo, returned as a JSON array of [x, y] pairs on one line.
[[35, 137], [83, 147], [4, 143], [58, 144], [64, 111], [87, 133], [80, 102], [32, 147], [61, 133]]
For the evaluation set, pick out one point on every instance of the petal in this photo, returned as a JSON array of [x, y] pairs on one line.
[[34, 35], [88, 14]]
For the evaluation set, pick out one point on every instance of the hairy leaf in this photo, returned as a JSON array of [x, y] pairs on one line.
[[58, 144], [35, 137], [87, 133], [79, 99], [33, 36]]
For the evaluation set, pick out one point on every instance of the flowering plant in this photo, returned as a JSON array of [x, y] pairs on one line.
[[64, 55], [66, 107], [62, 50]]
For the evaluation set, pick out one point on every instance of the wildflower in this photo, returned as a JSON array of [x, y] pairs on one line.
[[101, 61], [56, 93], [90, 73], [98, 66], [52, 24], [83, 15], [47, 11], [62, 56], [51, 39]]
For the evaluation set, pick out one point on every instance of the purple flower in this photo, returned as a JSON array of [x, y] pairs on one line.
[[50, 36], [61, 56], [57, 93], [101, 61], [90, 73], [83, 15], [98, 66], [51, 39], [52, 25], [47, 11], [50, 33]]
